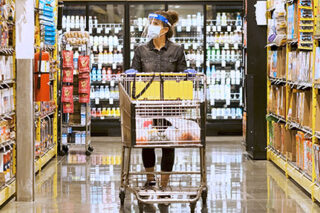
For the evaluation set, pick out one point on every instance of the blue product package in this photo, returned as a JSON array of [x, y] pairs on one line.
[[48, 34], [46, 23], [49, 29], [47, 14]]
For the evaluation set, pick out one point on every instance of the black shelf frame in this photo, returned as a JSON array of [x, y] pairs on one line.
[[231, 126]]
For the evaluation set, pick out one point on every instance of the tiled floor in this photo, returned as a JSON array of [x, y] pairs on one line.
[[236, 184]]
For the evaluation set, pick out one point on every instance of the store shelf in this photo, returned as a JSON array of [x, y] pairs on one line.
[[277, 117], [301, 178], [277, 81], [7, 143], [300, 85], [6, 82], [7, 115], [7, 191], [45, 116], [6, 50], [45, 158]]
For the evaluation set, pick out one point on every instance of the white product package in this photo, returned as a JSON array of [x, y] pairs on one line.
[[183, 130]]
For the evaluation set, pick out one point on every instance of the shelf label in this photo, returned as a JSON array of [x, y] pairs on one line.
[[227, 102], [179, 28], [208, 28], [97, 101], [140, 28], [214, 28], [114, 66], [111, 100], [188, 28], [216, 46], [236, 46], [199, 28], [112, 83], [219, 28], [223, 63], [229, 28]]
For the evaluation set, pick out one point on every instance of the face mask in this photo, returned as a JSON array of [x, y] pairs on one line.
[[153, 31]]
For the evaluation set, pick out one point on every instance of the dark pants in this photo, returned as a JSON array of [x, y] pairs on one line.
[[167, 160]]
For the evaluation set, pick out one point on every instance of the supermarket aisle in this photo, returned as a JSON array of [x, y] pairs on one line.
[[235, 183]]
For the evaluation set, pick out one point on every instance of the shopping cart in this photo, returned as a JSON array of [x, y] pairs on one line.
[[162, 110]]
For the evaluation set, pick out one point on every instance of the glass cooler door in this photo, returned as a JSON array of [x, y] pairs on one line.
[[224, 62], [106, 22], [189, 33], [138, 19]]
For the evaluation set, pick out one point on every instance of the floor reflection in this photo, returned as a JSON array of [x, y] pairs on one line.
[[76, 183]]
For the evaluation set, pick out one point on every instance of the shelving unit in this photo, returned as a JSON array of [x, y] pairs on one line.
[[46, 112], [293, 109]]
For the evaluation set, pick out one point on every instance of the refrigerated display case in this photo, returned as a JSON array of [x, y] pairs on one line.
[[210, 32], [189, 33]]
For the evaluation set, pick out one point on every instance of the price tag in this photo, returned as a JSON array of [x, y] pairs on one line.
[[216, 46], [116, 30], [188, 28], [100, 48], [199, 28], [223, 63], [131, 28], [114, 66], [229, 28], [214, 28], [97, 101], [219, 28], [112, 83], [226, 46], [236, 46], [208, 28], [140, 28], [179, 28], [111, 101]]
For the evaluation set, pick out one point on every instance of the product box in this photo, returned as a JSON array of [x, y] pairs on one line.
[[308, 156], [271, 137], [316, 149], [307, 109], [317, 64], [317, 114], [277, 136], [292, 66], [283, 133], [300, 149], [291, 145]]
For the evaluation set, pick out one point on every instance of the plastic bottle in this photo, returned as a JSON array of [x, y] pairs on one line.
[[218, 19], [75, 60], [64, 22], [224, 19], [239, 20], [77, 22]]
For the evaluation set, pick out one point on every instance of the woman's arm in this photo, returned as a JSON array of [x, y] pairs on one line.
[[136, 61], [181, 63]]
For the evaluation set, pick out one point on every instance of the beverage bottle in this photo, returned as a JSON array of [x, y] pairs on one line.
[[75, 60], [72, 22], [64, 22], [218, 19], [95, 21], [90, 22], [109, 74], [77, 22], [224, 19], [239, 20]]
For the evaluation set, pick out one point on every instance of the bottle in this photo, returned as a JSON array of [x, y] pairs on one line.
[[75, 60], [107, 91], [238, 20], [72, 22], [64, 22], [90, 22], [95, 21], [109, 74], [218, 19], [77, 22], [224, 19]]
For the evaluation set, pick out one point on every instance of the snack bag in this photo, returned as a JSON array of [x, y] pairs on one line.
[[68, 107], [67, 75], [84, 85], [67, 94], [84, 75], [67, 57], [84, 98], [84, 63]]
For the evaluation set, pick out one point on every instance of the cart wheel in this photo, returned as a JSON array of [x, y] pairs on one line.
[[122, 196], [88, 153], [204, 195], [140, 204], [193, 207], [90, 148]]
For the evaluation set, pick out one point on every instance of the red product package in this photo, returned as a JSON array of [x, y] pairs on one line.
[[68, 107], [67, 75], [67, 58], [84, 85], [84, 98], [67, 94], [84, 75], [84, 63]]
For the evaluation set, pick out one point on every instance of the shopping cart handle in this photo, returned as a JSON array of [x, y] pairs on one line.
[[131, 71], [190, 72]]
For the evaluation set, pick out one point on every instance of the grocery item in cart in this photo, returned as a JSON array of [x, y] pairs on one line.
[[183, 130]]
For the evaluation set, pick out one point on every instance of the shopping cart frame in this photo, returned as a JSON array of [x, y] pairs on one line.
[[128, 134]]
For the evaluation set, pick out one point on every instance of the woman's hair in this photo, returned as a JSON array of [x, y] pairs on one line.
[[173, 18]]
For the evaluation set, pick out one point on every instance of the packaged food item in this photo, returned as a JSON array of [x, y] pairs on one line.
[[68, 107], [67, 57], [67, 75], [84, 98], [84, 63], [84, 85], [84, 75], [67, 94]]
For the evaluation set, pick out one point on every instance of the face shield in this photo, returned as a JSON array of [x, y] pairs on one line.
[[155, 26]]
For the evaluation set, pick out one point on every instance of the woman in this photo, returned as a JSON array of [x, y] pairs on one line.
[[159, 55]]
